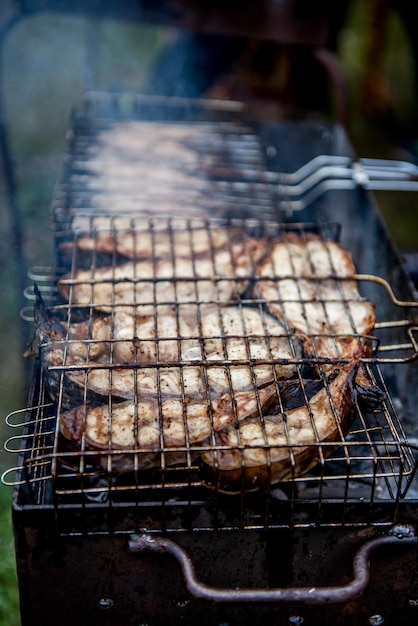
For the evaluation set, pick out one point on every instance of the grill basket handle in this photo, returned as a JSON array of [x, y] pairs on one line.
[[401, 535]]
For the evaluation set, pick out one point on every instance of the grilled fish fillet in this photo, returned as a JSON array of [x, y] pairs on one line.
[[73, 380], [308, 283]]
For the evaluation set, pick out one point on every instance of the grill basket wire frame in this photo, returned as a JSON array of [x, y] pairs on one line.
[[374, 463], [238, 142], [237, 169], [239, 180]]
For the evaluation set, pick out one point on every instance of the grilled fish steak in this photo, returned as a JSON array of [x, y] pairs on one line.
[[171, 354], [308, 283], [219, 276], [279, 446], [149, 425], [126, 338], [243, 336], [144, 243]]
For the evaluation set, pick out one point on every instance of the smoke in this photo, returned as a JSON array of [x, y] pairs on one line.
[[48, 61]]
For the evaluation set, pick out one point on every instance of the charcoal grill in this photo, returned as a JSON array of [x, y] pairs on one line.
[[162, 545], [334, 545]]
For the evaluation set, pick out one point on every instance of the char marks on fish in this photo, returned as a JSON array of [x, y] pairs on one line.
[[201, 340]]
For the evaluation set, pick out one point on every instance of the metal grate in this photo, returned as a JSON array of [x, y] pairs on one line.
[[179, 161], [161, 482], [193, 157], [143, 309]]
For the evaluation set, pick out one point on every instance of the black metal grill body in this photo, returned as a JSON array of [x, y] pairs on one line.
[[76, 580], [85, 560]]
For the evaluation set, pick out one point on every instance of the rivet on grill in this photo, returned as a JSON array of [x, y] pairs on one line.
[[376, 620], [402, 530], [106, 603]]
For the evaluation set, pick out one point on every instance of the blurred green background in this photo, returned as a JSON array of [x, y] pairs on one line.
[[44, 74]]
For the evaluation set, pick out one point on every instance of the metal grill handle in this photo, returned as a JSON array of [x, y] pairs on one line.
[[401, 535], [338, 173]]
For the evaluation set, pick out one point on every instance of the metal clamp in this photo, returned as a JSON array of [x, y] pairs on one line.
[[401, 534]]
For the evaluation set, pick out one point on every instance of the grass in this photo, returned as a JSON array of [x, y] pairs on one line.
[[9, 601]]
